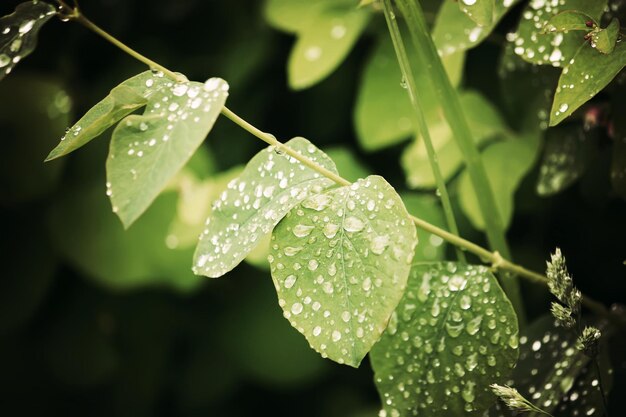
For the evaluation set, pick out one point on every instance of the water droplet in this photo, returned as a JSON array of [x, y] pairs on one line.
[[379, 244], [336, 335], [353, 224], [296, 308], [302, 230], [473, 326], [290, 281], [317, 330], [26, 26]]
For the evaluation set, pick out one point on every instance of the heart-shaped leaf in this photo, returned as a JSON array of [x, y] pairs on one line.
[[18, 32], [270, 185], [148, 150], [453, 334], [340, 261], [570, 20]]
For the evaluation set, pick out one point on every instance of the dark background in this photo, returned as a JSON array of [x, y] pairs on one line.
[[73, 345]]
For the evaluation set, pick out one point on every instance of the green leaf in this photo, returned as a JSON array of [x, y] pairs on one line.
[[326, 30], [506, 163], [570, 20], [340, 261], [563, 161], [554, 48], [455, 31], [452, 335], [18, 33], [270, 185], [382, 114], [324, 44], [480, 11], [92, 241], [124, 99], [584, 77], [485, 122], [427, 207], [148, 150], [604, 40]]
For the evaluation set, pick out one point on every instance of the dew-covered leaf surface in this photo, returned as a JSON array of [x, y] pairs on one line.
[[127, 97], [148, 150], [270, 185], [455, 31], [537, 46], [553, 375], [585, 75], [326, 30], [484, 122], [563, 160], [340, 262], [18, 32], [506, 164], [453, 334]]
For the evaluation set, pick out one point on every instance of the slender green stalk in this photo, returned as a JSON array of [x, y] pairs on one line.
[[420, 120], [453, 112], [494, 258]]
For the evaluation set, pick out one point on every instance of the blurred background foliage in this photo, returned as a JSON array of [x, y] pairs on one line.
[[98, 321]]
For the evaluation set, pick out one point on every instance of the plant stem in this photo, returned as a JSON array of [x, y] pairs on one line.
[[494, 258], [420, 121], [453, 112]]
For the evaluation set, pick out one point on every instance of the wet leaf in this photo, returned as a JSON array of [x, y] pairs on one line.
[[480, 11], [536, 46], [18, 33], [340, 261], [485, 122], [452, 335], [563, 160], [552, 374], [124, 99], [270, 185], [93, 242], [326, 30], [506, 164], [148, 150], [455, 31], [570, 20], [584, 77], [604, 40]]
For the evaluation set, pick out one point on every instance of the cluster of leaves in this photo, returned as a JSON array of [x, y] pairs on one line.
[[345, 260]]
